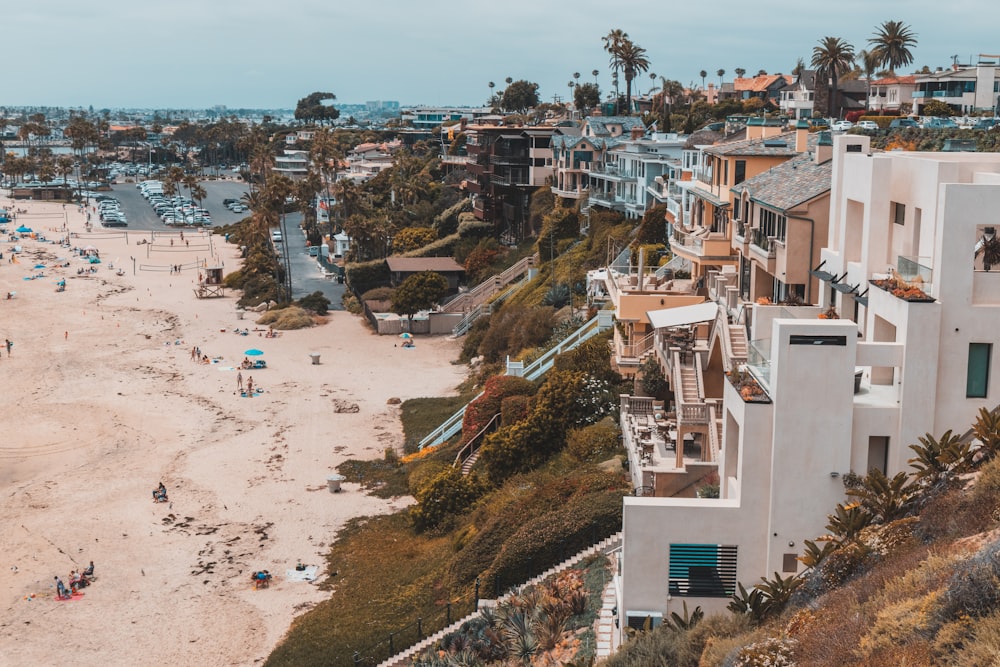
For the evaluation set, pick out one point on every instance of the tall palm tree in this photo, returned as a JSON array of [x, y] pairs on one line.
[[492, 98], [869, 63], [633, 61], [891, 44], [721, 73], [703, 74], [612, 44], [740, 72], [832, 58], [595, 73]]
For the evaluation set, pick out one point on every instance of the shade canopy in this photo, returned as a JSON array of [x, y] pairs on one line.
[[405, 335], [23, 230], [253, 352], [681, 315]]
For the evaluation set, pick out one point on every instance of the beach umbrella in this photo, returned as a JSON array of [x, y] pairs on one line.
[[405, 335], [23, 230], [89, 248], [253, 352], [39, 266]]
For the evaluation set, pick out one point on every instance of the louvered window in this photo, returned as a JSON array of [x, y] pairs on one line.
[[703, 570]]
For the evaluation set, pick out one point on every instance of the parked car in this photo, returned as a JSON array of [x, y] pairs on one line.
[[937, 123], [867, 125], [899, 123], [986, 123], [841, 126], [820, 123]]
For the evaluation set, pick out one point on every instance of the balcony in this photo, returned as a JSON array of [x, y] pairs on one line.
[[576, 193], [916, 270], [759, 362], [457, 159]]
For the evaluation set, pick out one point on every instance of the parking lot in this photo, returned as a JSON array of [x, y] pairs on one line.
[[141, 215]]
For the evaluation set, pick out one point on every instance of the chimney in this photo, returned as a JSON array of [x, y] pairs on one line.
[[755, 128], [824, 147], [637, 133], [802, 136]]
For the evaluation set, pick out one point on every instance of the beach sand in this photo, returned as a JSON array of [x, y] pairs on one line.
[[101, 401]]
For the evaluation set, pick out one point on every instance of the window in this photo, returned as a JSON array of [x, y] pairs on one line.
[[898, 213], [702, 570], [740, 174], [978, 377]]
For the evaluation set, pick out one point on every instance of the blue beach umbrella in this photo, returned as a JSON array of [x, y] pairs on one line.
[[253, 352], [23, 230]]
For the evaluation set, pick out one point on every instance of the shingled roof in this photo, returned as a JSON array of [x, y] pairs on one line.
[[789, 184], [780, 145]]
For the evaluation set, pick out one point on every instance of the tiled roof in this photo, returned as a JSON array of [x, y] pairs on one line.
[[890, 80], [778, 145], [789, 184], [598, 125], [760, 83]]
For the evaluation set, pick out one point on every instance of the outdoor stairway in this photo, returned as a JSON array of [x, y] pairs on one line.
[[606, 546], [738, 341], [607, 634], [536, 369], [481, 293], [469, 462], [689, 385]]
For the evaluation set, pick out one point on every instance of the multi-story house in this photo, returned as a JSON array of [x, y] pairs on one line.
[[766, 87], [627, 181], [705, 236], [781, 217], [366, 160], [507, 164], [428, 118], [893, 94], [580, 151], [798, 99], [292, 163], [829, 396], [965, 88]]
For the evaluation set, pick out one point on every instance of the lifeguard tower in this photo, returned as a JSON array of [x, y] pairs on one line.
[[210, 284]]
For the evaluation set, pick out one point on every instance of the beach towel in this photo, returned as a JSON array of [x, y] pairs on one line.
[[308, 574], [75, 596]]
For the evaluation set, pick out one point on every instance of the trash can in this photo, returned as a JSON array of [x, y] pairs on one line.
[[333, 483], [315, 358]]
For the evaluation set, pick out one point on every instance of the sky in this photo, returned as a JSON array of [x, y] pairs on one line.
[[195, 54]]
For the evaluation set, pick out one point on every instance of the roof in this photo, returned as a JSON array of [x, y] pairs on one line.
[[790, 183], [415, 264], [681, 315], [909, 79], [759, 83], [779, 145]]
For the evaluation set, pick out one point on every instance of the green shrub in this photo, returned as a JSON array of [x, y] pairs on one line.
[[316, 302], [286, 319], [480, 411], [443, 497], [595, 442], [378, 294], [513, 409], [367, 275]]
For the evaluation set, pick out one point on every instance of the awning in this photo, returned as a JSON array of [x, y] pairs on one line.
[[709, 197], [825, 276], [681, 315], [844, 288]]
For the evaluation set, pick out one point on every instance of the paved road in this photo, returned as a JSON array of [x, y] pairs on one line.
[[307, 277]]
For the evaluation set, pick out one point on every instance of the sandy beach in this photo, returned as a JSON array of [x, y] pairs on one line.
[[101, 401]]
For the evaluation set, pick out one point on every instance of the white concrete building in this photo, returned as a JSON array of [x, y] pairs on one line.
[[840, 395]]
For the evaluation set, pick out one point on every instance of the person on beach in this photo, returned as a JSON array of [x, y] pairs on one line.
[[61, 589], [9, 345], [250, 386], [239, 380]]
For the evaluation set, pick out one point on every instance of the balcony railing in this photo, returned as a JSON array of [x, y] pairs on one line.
[[916, 269], [759, 361], [760, 239], [687, 240]]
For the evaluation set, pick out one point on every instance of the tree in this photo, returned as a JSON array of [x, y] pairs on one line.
[[493, 99], [703, 74], [740, 72], [831, 59], [869, 63], [612, 43], [418, 292], [938, 108], [519, 96], [586, 97], [311, 108], [633, 62], [891, 44], [720, 73]]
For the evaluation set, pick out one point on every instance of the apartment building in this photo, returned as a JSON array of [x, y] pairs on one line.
[[907, 265], [965, 88]]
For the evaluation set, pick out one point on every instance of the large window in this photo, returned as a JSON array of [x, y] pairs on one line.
[[898, 213], [702, 570], [740, 174], [977, 381]]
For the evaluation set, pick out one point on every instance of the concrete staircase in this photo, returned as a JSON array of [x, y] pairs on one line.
[[608, 637], [606, 546], [689, 385], [738, 342]]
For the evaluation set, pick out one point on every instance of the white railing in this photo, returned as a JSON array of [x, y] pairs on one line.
[[484, 290]]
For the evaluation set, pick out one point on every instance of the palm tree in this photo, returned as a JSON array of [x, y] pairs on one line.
[[891, 44], [492, 98], [612, 44], [740, 72], [596, 73], [703, 74], [720, 73], [633, 61], [831, 59], [869, 63]]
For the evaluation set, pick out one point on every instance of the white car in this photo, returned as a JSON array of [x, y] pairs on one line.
[[841, 126], [867, 125]]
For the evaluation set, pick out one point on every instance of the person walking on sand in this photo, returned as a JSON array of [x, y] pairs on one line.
[[250, 386], [239, 380], [9, 345]]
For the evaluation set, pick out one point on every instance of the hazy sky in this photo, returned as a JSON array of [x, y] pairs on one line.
[[250, 53]]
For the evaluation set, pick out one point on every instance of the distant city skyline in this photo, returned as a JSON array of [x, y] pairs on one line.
[[251, 54]]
